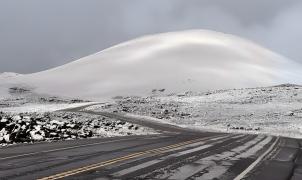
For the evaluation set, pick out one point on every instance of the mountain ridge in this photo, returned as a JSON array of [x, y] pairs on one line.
[[211, 60]]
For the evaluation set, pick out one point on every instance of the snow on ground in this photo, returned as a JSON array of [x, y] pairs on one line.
[[22, 99], [40, 108], [271, 110], [26, 117], [200, 60]]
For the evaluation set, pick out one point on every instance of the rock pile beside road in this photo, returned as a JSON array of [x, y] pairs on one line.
[[32, 127]]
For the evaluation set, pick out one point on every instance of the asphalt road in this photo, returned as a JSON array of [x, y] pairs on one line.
[[176, 153]]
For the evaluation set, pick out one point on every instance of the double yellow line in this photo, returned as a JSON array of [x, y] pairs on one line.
[[120, 159]]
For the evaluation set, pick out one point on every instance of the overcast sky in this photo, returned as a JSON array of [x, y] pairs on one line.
[[36, 35]]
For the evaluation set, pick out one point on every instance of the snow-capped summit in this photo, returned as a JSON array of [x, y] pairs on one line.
[[177, 61]]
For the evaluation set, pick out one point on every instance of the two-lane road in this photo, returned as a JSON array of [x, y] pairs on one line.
[[176, 153]]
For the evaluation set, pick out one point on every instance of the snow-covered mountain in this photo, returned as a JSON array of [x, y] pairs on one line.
[[194, 60]]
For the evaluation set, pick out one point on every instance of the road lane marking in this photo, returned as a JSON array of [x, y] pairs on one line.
[[201, 145], [116, 160], [258, 160], [102, 164], [67, 148], [252, 151], [131, 156], [152, 162], [217, 165], [202, 164], [198, 146]]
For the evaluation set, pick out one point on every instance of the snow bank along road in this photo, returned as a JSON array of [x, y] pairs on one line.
[[174, 154]]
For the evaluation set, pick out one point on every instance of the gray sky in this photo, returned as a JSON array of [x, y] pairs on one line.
[[36, 35]]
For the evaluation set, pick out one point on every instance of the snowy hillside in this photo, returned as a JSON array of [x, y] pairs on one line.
[[7, 80], [179, 61], [275, 110]]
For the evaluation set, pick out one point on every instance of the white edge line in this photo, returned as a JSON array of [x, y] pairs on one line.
[[252, 166], [59, 149], [73, 147]]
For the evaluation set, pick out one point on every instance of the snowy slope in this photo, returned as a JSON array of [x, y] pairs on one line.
[[274, 110], [179, 61], [7, 80]]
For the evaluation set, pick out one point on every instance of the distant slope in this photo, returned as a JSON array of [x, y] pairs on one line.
[[274, 110], [177, 61]]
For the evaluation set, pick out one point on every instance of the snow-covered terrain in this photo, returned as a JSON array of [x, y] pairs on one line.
[[23, 99], [275, 110], [41, 108], [26, 116], [194, 60]]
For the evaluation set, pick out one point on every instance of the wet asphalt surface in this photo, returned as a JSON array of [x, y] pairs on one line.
[[175, 153]]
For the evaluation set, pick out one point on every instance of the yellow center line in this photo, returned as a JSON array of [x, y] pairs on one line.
[[116, 160]]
